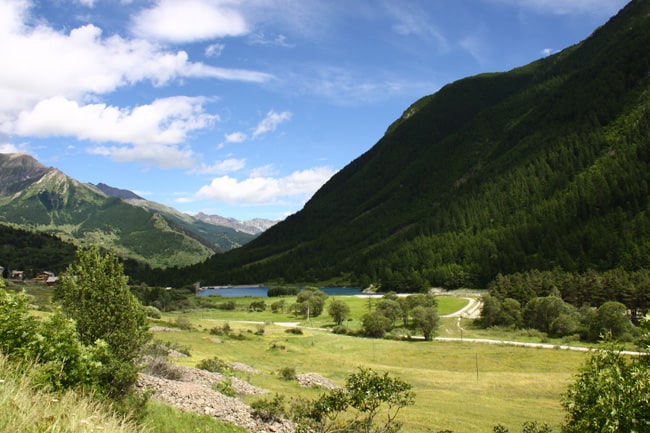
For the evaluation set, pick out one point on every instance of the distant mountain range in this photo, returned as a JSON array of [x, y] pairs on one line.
[[45, 199], [545, 166]]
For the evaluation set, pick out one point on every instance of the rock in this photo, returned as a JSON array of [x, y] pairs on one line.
[[315, 380]]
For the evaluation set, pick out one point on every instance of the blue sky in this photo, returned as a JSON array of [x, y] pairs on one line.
[[244, 108]]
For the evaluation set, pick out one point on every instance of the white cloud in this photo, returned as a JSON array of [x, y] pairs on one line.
[[264, 171], [165, 121], [40, 63], [547, 52], [189, 21], [10, 148], [214, 50], [155, 133], [221, 167], [259, 38], [266, 190], [271, 122], [163, 156], [236, 137]]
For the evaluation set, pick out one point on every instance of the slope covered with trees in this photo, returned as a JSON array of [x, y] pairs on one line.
[[44, 199], [542, 167]]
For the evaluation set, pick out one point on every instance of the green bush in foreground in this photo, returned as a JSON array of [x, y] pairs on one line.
[[370, 402], [94, 292]]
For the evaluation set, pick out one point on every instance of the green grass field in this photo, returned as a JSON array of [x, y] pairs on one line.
[[459, 386]]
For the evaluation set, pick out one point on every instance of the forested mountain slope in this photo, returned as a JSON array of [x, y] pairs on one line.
[[45, 199], [543, 166]]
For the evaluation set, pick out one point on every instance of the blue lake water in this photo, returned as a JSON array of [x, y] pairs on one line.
[[262, 292]]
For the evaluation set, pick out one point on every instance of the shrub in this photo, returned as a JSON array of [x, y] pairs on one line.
[[214, 365], [95, 294], [287, 373], [295, 331], [227, 306], [160, 367], [278, 306], [269, 409], [152, 312], [257, 306], [184, 323], [225, 387]]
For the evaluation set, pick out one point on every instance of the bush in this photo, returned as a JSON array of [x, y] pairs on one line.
[[340, 329], [225, 387], [94, 293], [214, 365], [184, 323], [278, 306], [287, 373], [295, 331], [281, 291], [227, 306], [257, 306], [160, 367], [269, 409], [152, 312], [221, 330]]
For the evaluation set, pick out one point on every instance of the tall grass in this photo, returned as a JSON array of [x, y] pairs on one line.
[[24, 409]]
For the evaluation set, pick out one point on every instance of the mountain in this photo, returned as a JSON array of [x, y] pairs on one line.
[[45, 199], [544, 166], [124, 194], [253, 227]]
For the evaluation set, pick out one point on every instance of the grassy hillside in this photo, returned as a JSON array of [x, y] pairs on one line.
[[543, 166]]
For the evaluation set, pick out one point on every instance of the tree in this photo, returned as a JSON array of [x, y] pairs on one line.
[[426, 319], [310, 302], [542, 311], [610, 319], [390, 309], [611, 394], [375, 324], [94, 293], [338, 311]]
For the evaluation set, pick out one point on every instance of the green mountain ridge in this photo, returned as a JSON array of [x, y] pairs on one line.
[[540, 167], [45, 199]]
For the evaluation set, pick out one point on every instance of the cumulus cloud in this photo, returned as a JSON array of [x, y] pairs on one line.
[[189, 21], [40, 63], [153, 133], [165, 121], [266, 190], [271, 122]]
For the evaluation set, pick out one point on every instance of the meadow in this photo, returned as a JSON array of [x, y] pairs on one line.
[[459, 386]]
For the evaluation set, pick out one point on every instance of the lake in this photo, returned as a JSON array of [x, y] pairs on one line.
[[262, 292]]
